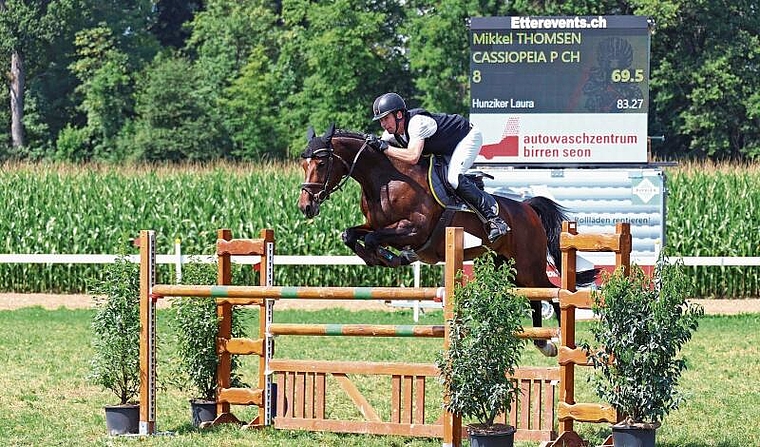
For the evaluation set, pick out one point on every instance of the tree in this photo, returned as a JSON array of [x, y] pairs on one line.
[[131, 22], [251, 107], [172, 121], [344, 55], [26, 27], [705, 61], [106, 89], [439, 54], [172, 16], [234, 45]]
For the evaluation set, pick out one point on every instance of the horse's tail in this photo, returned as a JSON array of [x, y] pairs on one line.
[[552, 214]]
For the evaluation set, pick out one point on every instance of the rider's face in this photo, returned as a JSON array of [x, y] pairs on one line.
[[388, 122]]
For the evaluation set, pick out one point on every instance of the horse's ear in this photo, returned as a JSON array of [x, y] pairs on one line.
[[310, 134], [330, 131]]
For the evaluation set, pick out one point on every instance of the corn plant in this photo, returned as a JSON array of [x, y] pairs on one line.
[[712, 210]]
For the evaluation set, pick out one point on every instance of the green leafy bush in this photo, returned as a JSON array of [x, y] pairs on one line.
[[195, 324], [116, 330], [484, 349], [643, 324]]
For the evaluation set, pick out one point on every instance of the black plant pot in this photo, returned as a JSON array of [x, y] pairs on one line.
[[122, 419], [632, 436], [202, 411], [497, 435]]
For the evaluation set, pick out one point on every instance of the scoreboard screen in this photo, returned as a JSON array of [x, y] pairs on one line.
[[560, 90]]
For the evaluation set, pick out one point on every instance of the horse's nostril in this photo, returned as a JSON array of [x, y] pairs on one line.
[[309, 210]]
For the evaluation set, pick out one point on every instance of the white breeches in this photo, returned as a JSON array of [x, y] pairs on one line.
[[464, 155]]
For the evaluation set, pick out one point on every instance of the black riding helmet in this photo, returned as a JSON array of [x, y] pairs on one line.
[[387, 103]]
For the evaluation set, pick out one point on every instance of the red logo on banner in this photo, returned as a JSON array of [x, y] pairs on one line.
[[509, 146]]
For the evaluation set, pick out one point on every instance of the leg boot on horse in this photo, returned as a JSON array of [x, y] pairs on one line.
[[485, 208]]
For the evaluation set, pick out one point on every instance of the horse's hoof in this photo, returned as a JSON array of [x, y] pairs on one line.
[[547, 347], [409, 254]]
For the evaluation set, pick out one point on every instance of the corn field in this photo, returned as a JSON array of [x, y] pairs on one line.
[[713, 210]]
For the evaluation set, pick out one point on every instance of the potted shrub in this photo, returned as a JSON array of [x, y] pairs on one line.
[[484, 351], [115, 363], [195, 325], [643, 324]]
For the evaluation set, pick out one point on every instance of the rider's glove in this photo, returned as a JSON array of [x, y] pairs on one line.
[[376, 143]]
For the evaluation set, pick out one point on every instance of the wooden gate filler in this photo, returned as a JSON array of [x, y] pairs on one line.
[[302, 385]]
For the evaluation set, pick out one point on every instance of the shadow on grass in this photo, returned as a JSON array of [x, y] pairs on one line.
[[692, 443]]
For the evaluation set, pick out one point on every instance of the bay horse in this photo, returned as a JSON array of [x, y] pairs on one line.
[[401, 213]]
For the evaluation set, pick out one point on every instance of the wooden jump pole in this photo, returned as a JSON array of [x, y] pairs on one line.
[[366, 330], [569, 354], [452, 423], [302, 293], [325, 293], [379, 330]]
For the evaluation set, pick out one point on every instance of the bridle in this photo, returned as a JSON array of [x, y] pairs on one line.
[[329, 153]]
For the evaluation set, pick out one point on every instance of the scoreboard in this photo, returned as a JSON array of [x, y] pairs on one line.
[[560, 90]]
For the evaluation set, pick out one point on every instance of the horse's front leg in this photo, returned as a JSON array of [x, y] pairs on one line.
[[352, 237], [397, 236]]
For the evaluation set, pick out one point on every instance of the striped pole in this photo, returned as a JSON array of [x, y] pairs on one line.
[[379, 330], [319, 293], [362, 330]]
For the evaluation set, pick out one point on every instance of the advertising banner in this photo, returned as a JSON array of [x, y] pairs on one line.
[[560, 90]]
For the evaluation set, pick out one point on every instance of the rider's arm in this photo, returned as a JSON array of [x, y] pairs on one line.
[[419, 128], [410, 154]]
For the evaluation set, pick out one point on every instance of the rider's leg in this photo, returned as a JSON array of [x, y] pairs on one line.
[[481, 202], [484, 206]]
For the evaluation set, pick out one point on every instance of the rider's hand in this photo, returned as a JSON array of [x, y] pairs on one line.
[[376, 143]]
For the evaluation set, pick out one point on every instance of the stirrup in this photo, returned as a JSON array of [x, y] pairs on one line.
[[497, 228]]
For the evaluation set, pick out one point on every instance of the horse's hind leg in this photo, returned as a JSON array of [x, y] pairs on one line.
[[538, 278], [534, 275], [547, 347]]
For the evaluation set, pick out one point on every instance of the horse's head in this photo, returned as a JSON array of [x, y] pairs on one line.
[[324, 171]]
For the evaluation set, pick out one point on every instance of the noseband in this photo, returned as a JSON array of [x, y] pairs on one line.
[[329, 153]]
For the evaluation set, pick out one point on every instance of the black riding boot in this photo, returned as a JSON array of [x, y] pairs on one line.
[[484, 206]]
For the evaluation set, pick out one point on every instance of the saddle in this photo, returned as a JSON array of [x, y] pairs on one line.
[[442, 191]]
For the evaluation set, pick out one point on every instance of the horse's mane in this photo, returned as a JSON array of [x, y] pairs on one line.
[[361, 137], [398, 166], [349, 134]]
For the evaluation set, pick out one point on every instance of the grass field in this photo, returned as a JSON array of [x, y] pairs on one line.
[[46, 399]]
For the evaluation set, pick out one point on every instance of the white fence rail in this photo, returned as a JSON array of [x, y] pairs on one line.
[[178, 259]]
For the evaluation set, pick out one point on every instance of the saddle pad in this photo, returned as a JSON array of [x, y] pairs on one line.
[[440, 188]]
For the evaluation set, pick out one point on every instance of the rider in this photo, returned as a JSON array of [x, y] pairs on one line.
[[416, 132]]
